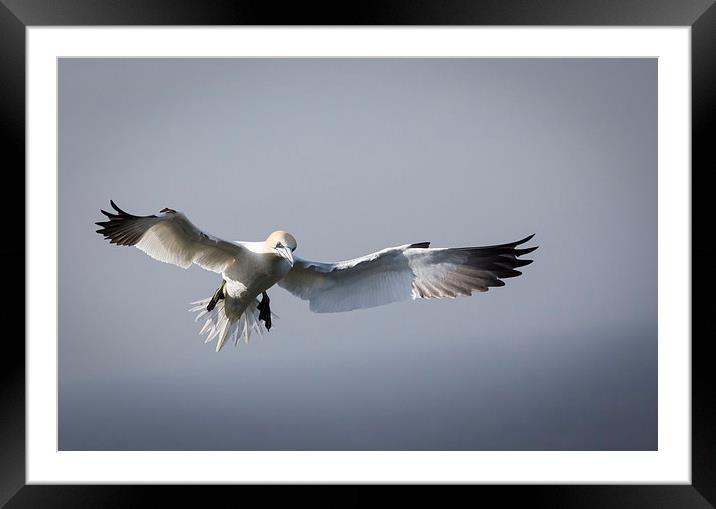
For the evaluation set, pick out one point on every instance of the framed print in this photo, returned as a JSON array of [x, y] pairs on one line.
[[583, 377]]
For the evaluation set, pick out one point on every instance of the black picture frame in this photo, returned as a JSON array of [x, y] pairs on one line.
[[16, 15]]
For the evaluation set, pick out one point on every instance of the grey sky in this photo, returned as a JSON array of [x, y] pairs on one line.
[[352, 156]]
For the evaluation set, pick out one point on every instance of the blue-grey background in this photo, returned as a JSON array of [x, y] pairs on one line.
[[352, 156]]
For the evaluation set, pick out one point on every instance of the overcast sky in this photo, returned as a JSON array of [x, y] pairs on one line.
[[352, 156]]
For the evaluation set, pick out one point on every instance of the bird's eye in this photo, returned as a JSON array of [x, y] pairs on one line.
[[279, 245]]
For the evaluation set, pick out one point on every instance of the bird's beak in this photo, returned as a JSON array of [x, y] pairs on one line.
[[285, 252]]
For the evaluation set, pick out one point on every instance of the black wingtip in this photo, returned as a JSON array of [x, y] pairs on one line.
[[507, 273], [115, 207], [527, 250], [521, 263], [526, 239], [120, 211]]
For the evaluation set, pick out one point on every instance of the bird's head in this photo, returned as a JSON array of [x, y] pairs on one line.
[[283, 243]]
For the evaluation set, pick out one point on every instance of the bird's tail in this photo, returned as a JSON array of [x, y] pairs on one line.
[[219, 325]]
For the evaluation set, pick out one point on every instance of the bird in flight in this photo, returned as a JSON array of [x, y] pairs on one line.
[[249, 269]]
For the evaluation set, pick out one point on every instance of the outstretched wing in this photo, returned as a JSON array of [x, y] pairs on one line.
[[169, 238], [399, 273]]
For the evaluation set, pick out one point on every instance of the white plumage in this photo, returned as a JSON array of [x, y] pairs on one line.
[[248, 269]]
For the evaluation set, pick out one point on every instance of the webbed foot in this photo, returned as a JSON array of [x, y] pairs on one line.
[[265, 310], [218, 295]]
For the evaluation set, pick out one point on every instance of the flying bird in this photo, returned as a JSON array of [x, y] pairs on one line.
[[249, 269]]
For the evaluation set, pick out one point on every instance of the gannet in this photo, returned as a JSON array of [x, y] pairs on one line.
[[249, 269]]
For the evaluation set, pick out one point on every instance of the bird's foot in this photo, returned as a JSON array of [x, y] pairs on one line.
[[218, 295], [265, 310]]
